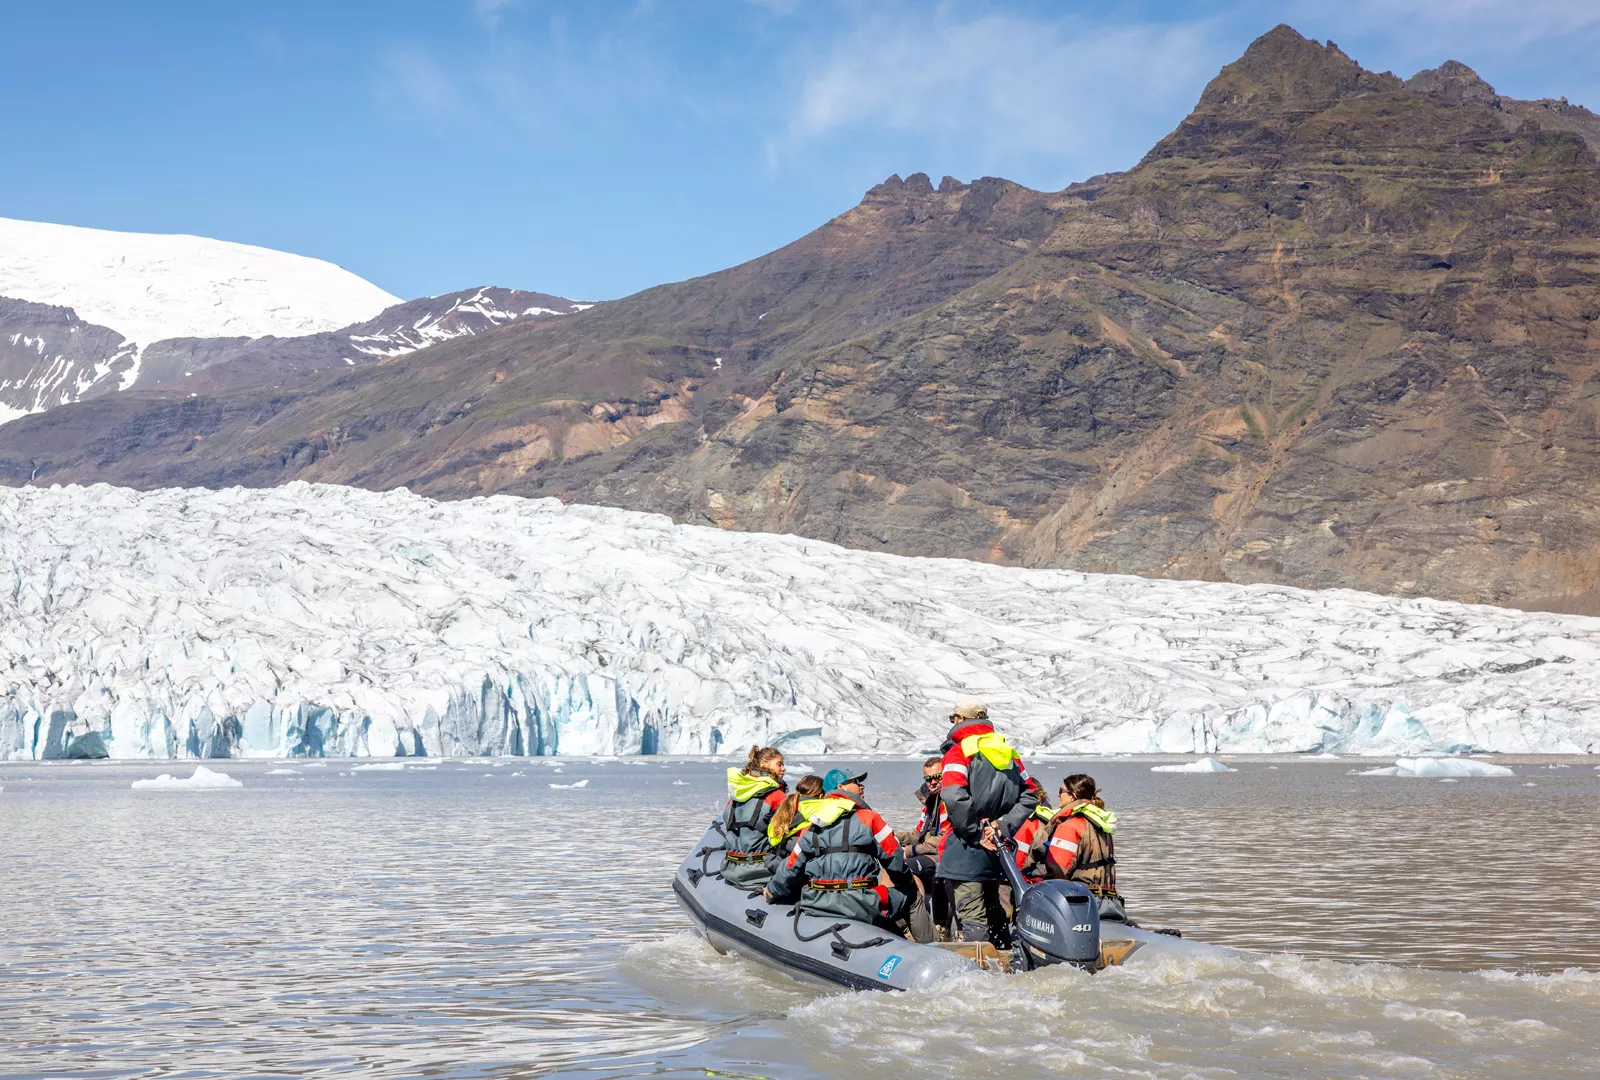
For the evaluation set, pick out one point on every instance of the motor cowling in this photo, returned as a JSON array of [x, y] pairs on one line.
[[1058, 922]]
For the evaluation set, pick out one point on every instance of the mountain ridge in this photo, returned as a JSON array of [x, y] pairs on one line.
[[1335, 329]]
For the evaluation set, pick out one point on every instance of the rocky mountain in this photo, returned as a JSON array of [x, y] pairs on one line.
[[88, 312], [1337, 329], [229, 365]]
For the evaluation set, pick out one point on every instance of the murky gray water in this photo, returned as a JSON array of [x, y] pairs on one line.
[[470, 921]]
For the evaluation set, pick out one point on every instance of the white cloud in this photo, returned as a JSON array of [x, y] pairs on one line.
[[410, 79], [490, 11], [1004, 84]]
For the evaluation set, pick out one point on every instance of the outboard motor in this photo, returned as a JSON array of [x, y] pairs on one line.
[[1056, 922]]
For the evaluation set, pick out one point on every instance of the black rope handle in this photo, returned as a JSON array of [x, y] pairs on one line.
[[834, 930]]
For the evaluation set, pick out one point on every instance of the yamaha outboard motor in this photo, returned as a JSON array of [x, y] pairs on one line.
[[1057, 922]]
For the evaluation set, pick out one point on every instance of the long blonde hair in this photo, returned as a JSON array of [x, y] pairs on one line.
[[783, 817], [764, 759]]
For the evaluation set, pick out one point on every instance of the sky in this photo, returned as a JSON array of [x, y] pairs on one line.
[[592, 149]]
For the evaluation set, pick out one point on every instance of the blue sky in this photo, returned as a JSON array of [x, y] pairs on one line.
[[593, 149]]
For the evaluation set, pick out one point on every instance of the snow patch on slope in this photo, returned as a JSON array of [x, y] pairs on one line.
[[309, 620], [150, 287]]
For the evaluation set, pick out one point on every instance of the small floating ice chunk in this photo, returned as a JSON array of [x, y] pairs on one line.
[[380, 766], [422, 768], [1448, 767], [203, 779], [1204, 765], [571, 786], [1387, 770], [680, 783], [1322, 757], [280, 772], [315, 765], [803, 768]]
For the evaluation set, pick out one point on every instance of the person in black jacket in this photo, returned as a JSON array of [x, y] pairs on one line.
[[921, 846], [987, 795]]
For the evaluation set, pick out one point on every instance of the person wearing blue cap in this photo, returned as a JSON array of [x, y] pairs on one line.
[[834, 867]]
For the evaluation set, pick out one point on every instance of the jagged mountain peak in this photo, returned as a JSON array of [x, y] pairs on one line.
[[1454, 83], [1284, 73]]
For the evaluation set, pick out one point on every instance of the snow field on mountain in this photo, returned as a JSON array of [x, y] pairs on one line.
[[150, 287], [328, 620]]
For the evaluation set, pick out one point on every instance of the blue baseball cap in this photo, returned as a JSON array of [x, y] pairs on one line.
[[837, 778]]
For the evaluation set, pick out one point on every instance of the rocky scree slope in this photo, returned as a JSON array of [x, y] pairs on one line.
[[517, 409], [1337, 329]]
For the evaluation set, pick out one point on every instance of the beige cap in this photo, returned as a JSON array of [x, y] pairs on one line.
[[971, 708]]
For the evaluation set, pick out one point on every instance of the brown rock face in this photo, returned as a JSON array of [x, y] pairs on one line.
[[1334, 330]]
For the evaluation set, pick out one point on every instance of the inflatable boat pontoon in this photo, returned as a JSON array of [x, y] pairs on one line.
[[1056, 922]]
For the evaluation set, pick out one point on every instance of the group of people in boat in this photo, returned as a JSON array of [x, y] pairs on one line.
[[822, 846]]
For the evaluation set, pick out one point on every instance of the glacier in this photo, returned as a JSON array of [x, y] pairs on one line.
[[309, 621]]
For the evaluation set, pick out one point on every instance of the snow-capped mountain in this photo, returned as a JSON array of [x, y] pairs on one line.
[[416, 325], [148, 287], [330, 620], [85, 312]]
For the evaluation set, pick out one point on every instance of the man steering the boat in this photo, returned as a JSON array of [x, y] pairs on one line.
[[987, 796], [834, 867]]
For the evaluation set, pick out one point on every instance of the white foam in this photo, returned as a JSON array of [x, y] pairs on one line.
[[1204, 765], [203, 779]]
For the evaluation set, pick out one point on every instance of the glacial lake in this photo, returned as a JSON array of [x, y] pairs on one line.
[[467, 919]]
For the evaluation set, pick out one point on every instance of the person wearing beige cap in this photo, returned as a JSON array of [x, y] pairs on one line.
[[986, 793]]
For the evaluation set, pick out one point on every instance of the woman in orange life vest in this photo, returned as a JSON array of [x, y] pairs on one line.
[[1077, 845], [1037, 821], [790, 819], [754, 793]]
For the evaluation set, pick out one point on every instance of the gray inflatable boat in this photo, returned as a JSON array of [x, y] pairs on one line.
[[1057, 922]]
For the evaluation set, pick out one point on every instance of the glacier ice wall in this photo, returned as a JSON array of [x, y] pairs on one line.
[[314, 620]]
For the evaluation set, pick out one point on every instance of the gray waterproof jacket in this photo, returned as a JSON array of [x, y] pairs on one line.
[[974, 791], [834, 866]]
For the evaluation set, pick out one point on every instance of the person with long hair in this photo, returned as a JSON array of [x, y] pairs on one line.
[[789, 820], [754, 795], [1078, 846]]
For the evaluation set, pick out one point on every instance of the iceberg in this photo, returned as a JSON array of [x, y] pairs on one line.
[[312, 621], [203, 779], [1432, 766], [1204, 765]]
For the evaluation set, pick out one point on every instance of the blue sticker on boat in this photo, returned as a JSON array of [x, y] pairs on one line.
[[888, 967]]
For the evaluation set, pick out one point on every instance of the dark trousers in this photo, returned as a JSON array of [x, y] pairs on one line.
[[980, 915], [937, 892]]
